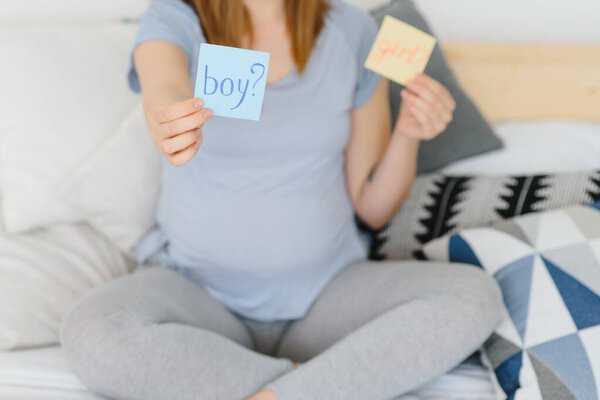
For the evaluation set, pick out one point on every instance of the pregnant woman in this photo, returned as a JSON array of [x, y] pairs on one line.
[[263, 289]]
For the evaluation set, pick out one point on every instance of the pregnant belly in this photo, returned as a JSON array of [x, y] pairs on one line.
[[268, 236]]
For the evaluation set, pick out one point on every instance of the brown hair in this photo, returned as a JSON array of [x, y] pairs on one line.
[[225, 22]]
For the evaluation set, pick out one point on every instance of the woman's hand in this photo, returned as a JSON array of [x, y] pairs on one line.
[[381, 170], [177, 129], [426, 110]]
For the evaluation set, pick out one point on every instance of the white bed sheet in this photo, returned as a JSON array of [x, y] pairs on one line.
[[532, 147], [43, 374], [39, 374]]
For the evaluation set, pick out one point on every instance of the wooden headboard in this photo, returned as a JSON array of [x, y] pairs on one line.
[[509, 81]]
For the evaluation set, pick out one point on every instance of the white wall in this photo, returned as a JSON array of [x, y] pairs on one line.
[[68, 11], [515, 20], [466, 20]]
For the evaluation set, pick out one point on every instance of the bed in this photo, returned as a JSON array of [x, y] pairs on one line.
[[43, 373], [39, 374], [545, 103]]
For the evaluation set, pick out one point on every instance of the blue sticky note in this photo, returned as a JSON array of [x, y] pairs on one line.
[[232, 81]]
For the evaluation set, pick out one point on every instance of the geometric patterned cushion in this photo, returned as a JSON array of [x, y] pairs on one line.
[[548, 267], [440, 204]]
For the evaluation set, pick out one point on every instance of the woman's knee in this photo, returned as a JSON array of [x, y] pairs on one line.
[[93, 333], [110, 309], [480, 295]]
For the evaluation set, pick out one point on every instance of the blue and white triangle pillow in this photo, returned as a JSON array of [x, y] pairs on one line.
[[548, 267]]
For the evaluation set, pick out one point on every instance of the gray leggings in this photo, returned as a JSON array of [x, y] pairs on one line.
[[377, 331]]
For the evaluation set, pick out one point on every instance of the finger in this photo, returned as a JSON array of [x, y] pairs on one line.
[[179, 110], [179, 142], [422, 90], [429, 128], [431, 104], [419, 113], [188, 123], [426, 107], [432, 90], [442, 103], [433, 123], [437, 88], [436, 122], [184, 156], [425, 123]]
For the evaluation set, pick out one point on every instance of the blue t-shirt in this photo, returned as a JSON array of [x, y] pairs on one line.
[[261, 217]]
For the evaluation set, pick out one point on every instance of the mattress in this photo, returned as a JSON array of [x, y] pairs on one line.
[[39, 374], [43, 374]]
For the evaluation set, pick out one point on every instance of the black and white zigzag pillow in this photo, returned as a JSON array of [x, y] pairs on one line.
[[440, 204]]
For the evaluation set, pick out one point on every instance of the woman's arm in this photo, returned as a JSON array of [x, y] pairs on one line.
[[175, 118], [380, 167]]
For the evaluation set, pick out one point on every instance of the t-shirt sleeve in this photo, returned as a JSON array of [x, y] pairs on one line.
[[172, 21], [367, 79], [359, 30]]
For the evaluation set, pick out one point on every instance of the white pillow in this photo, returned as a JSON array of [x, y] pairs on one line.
[[2, 228], [1, 219], [532, 147], [116, 191], [63, 93], [514, 21], [43, 273]]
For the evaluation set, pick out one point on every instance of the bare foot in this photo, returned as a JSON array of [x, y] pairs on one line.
[[267, 394], [264, 394]]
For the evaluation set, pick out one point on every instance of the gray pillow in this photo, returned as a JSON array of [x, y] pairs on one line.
[[469, 133]]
